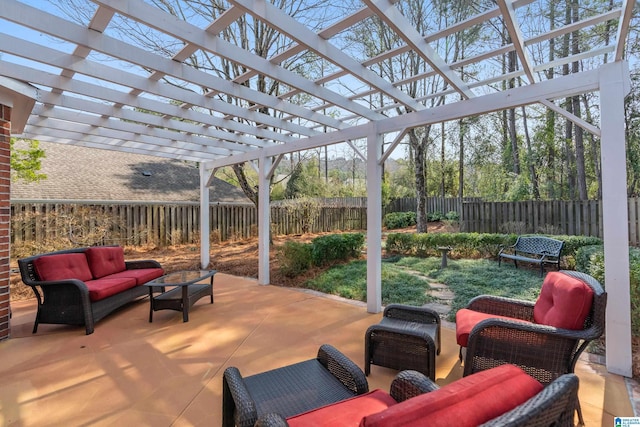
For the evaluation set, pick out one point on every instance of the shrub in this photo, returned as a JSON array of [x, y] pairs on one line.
[[400, 243], [452, 216], [464, 244], [336, 247], [396, 220], [590, 260], [295, 258], [435, 216]]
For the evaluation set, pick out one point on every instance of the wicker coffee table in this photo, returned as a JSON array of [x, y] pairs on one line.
[[185, 291]]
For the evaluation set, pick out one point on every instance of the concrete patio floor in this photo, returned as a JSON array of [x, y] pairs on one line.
[[169, 373]]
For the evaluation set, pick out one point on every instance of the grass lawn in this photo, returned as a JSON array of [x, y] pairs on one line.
[[406, 280]]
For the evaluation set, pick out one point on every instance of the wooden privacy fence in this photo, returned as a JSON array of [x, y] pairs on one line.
[[165, 223], [548, 217], [443, 205], [179, 223]]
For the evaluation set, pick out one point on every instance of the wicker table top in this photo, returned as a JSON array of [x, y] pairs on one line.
[[295, 389]]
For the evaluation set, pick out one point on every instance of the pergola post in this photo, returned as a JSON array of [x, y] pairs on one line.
[[264, 219], [614, 86], [205, 257], [374, 221]]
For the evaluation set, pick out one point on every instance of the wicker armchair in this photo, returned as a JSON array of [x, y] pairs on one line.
[[290, 390], [553, 406], [545, 352]]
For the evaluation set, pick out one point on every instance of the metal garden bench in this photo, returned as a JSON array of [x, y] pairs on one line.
[[534, 249]]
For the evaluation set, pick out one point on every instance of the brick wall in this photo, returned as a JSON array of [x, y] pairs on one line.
[[5, 217]]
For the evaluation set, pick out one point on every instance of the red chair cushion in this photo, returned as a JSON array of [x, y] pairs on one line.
[[470, 401], [62, 266], [466, 319], [564, 302], [103, 288], [105, 260], [346, 413], [142, 275]]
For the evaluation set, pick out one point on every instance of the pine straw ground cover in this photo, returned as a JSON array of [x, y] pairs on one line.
[[240, 258]]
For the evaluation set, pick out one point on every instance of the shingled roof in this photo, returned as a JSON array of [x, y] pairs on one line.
[[79, 173]]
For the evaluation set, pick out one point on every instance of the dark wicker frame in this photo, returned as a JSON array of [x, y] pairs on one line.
[[553, 406], [290, 390], [67, 301], [544, 352], [407, 338]]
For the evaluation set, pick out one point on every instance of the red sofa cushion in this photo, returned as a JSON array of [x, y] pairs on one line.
[[345, 413], [62, 266], [470, 401], [105, 287], [466, 319], [105, 260], [141, 275], [564, 302]]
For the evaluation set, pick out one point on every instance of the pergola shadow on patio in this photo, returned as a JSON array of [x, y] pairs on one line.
[[132, 372]]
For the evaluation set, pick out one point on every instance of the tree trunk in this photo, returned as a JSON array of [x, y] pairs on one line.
[[252, 194], [461, 136], [443, 166], [575, 68], [569, 169], [419, 155], [533, 176]]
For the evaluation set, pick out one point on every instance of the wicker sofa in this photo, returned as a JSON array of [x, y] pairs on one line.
[[81, 286], [502, 396]]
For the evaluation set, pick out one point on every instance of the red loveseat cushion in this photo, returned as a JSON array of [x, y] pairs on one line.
[[105, 260], [564, 302], [103, 288], [466, 319], [345, 413], [468, 402], [141, 275], [62, 266]]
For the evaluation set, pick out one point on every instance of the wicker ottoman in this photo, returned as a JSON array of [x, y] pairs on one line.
[[407, 337]]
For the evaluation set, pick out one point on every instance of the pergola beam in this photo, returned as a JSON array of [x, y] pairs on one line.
[[154, 18], [392, 17], [287, 25], [560, 87], [510, 21]]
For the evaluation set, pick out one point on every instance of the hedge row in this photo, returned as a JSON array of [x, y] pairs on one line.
[[471, 245], [296, 258]]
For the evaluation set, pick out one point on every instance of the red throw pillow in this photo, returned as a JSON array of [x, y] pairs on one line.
[[62, 266], [346, 413], [564, 302], [105, 260], [468, 402]]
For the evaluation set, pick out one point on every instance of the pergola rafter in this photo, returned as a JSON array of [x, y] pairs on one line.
[[97, 89]]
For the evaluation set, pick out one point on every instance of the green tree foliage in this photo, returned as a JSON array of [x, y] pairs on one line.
[[305, 182], [26, 162]]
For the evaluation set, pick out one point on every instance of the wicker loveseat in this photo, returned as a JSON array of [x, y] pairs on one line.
[[81, 286], [502, 396]]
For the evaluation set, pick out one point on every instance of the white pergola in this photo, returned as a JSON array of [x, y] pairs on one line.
[[96, 89]]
